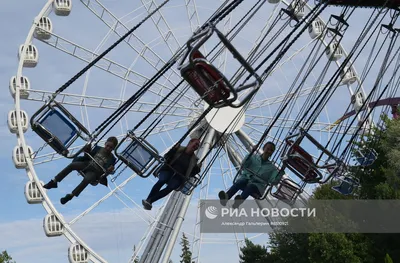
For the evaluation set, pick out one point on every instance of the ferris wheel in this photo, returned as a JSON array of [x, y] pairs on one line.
[[288, 55]]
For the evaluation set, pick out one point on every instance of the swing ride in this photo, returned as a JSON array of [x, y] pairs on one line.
[[235, 75]]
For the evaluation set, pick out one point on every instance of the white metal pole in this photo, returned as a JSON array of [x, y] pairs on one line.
[[206, 146]]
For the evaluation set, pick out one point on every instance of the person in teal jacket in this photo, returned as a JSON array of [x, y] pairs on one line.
[[257, 172]]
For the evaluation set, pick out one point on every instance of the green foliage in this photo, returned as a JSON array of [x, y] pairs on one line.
[[5, 258], [388, 259], [379, 181], [251, 253], [186, 255]]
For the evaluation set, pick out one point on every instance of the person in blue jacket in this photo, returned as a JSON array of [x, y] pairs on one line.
[[256, 173], [102, 155]]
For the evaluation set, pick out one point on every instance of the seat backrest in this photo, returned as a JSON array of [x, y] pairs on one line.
[[59, 126], [203, 77], [298, 163], [137, 155]]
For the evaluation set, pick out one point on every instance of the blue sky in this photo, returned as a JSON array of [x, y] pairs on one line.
[[113, 228]]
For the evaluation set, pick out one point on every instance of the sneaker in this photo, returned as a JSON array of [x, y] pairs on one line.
[[66, 198], [146, 205], [223, 198], [50, 185], [238, 201]]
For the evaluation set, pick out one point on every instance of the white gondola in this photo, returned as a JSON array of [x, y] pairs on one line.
[[273, 1], [24, 88], [358, 100], [62, 7], [13, 122], [348, 76], [316, 28], [334, 51], [32, 193], [77, 254], [298, 9], [19, 157], [43, 29], [31, 57], [52, 226]]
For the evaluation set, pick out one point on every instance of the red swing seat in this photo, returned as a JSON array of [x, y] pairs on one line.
[[206, 80], [301, 163], [288, 191]]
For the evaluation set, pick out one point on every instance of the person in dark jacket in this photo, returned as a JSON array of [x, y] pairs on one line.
[[102, 155], [181, 164]]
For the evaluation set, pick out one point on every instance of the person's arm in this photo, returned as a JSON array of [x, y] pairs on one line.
[[110, 165], [196, 169], [170, 154], [246, 161]]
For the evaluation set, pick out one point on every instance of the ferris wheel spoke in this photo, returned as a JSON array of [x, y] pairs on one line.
[[139, 46], [110, 103], [105, 64], [192, 13], [105, 197], [281, 98], [163, 27]]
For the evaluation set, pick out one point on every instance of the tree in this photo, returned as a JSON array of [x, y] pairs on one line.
[[5, 258], [388, 259], [378, 181], [252, 253], [186, 256]]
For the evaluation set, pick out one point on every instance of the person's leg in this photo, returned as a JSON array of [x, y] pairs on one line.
[[174, 183], [163, 178], [239, 185], [249, 189], [73, 166], [225, 196], [87, 179]]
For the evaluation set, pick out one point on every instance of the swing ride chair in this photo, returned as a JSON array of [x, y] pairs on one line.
[[393, 4], [300, 162], [138, 155], [257, 197], [58, 128], [212, 86], [366, 157], [347, 185], [187, 186], [287, 190], [102, 179]]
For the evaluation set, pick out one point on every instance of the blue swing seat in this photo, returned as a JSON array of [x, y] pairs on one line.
[[57, 127], [347, 186]]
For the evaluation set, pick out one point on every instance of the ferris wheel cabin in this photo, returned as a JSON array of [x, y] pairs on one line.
[[62, 7], [23, 89], [31, 57]]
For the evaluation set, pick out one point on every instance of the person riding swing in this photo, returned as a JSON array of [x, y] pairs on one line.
[[90, 168], [181, 163]]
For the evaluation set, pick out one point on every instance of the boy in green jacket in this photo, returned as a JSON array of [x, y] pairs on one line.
[[257, 172]]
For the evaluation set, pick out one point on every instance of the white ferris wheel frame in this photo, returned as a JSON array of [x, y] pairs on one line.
[[47, 203]]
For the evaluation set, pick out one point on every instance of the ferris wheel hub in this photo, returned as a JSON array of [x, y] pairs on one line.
[[226, 119]]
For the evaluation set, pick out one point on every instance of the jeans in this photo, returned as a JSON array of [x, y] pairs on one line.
[[91, 174], [247, 188], [165, 177]]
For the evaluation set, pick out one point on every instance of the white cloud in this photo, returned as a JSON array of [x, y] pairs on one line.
[[111, 234]]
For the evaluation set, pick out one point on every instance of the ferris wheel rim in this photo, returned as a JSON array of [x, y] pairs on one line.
[[74, 237]]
